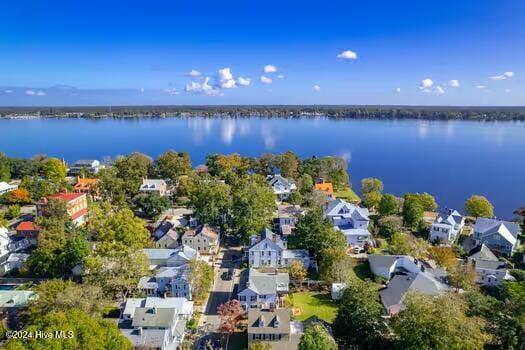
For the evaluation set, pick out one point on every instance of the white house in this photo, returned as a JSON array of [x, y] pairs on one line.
[[262, 290], [9, 246], [154, 186], [169, 280], [91, 166], [5, 188], [269, 250], [286, 217], [447, 226], [490, 270], [281, 186], [159, 257], [499, 236], [204, 239], [387, 265], [351, 220]]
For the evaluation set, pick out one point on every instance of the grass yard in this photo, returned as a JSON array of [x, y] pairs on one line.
[[347, 194], [313, 304]]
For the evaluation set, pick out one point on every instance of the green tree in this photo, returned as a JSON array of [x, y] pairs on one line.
[[437, 322], [5, 172], [371, 184], [132, 169], [359, 320], [288, 163], [479, 206], [388, 225], [38, 188], [399, 244], [316, 337], [335, 265], [200, 276], [427, 201], [151, 204], [253, 205], [116, 272], [56, 209], [412, 211], [87, 333], [13, 211], [111, 188], [3, 221], [372, 199], [259, 345], [211, 200], [172, 164], [54, 170], [297, 271], [220, 164], [389, 205], [116, 230]]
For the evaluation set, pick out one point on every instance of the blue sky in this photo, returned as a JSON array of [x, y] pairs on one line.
[[140, 52]]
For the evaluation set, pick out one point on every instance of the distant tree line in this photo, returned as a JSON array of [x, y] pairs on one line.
[[273, 111]]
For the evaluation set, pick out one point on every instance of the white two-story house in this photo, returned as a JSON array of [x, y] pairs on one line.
[[269, 250], [262, 290], [351, 220], [282, 187], [447, 227]]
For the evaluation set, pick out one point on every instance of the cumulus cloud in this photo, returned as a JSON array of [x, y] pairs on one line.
[[503, 76], [347, 55], [426, 85], [269, 68], [480, 86], [317, 88], [225, 79], [8, 91], [453, 83], [439, 90], [203, 88], [193, 73], [266, 80], [170, 91], [243, 81]]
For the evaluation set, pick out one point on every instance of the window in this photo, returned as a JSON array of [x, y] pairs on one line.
[[253, 298], [242, 297]]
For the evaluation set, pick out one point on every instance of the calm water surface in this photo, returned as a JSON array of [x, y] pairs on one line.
[[450, 160]]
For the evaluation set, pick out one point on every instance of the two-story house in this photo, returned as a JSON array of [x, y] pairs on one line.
[[154, 186], [262, 290], [286, 217], [76, 205], [281, 186], [268, 250], [154, 324], [273, 327], [204, 239], [500, 236], [490, 270], [447, 226], [169, 280], [351, 220]]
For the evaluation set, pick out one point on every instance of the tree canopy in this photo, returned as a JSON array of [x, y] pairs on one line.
[[479, 206]]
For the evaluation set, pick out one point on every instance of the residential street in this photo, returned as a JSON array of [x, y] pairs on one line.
[[224, 289]]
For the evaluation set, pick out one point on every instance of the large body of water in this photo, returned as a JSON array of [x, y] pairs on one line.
[[449, 159]]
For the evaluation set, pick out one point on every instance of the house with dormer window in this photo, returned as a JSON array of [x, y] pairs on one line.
[[268, 250], [500, 236], [351, 220], [447, 226], [262, 290]]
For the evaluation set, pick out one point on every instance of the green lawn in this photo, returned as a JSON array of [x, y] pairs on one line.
[[314, 304], [347, 194]]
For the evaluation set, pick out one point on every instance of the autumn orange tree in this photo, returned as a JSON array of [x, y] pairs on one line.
[[19, 196]]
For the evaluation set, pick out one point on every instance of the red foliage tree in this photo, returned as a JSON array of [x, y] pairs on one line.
[[229, 313]]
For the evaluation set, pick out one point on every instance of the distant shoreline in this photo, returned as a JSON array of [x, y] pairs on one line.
[[294, 112]]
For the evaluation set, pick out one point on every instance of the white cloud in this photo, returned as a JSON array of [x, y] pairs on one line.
[[170, 91], [453, 83], [503, 76], [280, 76], [35, 93], [398, 90], [225, 79], [266, 80], [317, 88], [269, 68], [508, 90], [203, 88], [480, 86], [142, 90], [347, 55], [243, 81], [193, 73], [426, 84], [8, 91], [439, 90]]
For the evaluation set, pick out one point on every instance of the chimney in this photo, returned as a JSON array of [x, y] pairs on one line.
[[139, 330]]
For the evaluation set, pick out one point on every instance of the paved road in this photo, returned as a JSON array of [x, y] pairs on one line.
[[222, 290]]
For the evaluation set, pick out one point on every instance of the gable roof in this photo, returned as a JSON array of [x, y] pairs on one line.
[[267, 237], [490, 264], [27, 226], [325, 187], [449, 217], [67, 196], [203, 230], [269, 322], [482, 252], [508, 230], [340, 207], [263, 283], [153, 317]]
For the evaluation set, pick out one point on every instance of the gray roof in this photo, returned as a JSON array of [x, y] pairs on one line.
[[386, 261], [509, 230], [278, 178], [449, 217], [172, 272], [482, 252], [264, 283], [490, 264], [269, 322], [83, 162], [422, 282], [146, 338], [153, 317], [340, 207], [296, 254]]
